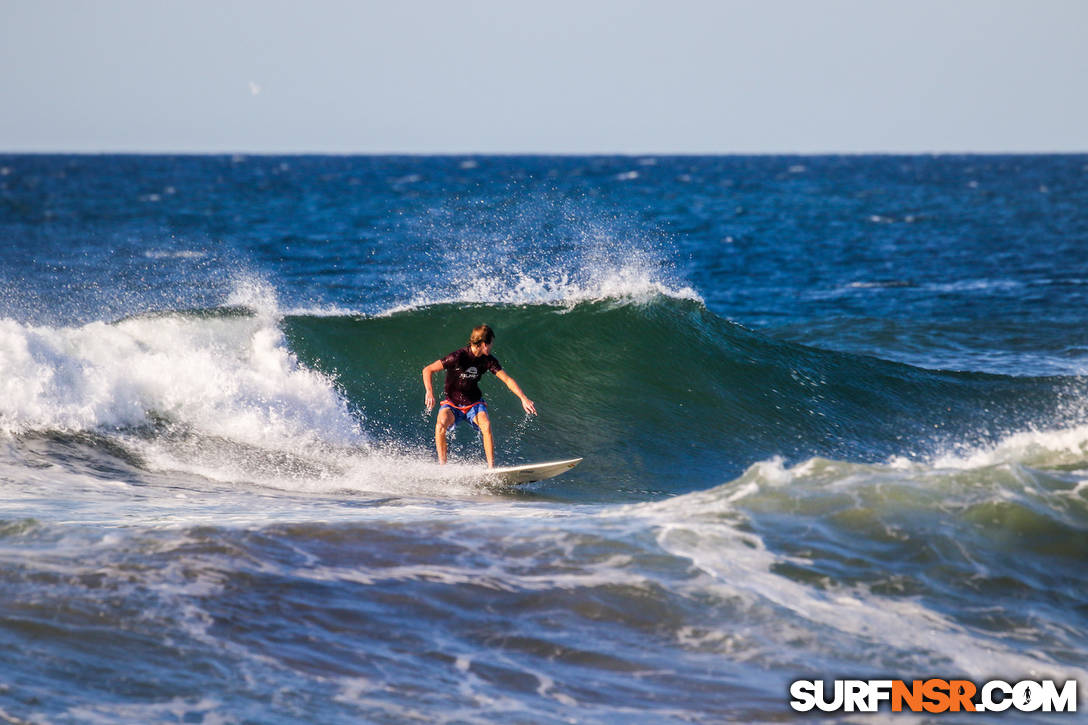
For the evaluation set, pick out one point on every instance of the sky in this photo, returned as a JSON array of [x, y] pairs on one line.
[[562, 76]]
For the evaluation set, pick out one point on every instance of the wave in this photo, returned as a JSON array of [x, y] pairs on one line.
[[852, 557], [223, 373], [660, 394], [664, 389]]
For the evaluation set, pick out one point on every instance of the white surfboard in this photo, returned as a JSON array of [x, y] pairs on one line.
[[514, 475]]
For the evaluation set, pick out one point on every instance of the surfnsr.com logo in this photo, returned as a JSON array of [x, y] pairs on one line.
[[933, 696]]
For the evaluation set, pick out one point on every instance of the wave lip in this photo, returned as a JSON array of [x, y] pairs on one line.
[[638, 279]]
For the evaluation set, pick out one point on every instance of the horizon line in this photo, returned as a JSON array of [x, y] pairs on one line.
[[570, 154]]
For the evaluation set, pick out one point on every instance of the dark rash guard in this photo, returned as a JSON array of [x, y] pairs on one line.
[[463, 373]]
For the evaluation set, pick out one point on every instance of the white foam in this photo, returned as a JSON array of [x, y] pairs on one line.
[[232, 377], [634, 282], [206, 710], [314, 468], [1064, 448], [706, 528], [330, 310], [1056, 447], [175, 254], [973, 285]]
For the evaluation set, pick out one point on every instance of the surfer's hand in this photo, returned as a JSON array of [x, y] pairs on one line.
[[528, 405], [429, 401]]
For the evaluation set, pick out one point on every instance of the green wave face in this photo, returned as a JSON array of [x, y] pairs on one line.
[[647, 390]]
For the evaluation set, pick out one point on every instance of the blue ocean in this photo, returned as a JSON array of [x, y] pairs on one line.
[[833, 412]]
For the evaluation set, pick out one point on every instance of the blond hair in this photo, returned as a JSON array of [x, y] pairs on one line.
[[481, 334]]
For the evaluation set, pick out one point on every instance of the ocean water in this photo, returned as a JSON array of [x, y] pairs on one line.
[[833, 410]]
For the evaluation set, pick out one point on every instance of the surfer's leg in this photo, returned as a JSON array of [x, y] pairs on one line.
[[445, 420], [484, 424]]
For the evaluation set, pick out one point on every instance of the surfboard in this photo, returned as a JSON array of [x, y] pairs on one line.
[[515, 475]]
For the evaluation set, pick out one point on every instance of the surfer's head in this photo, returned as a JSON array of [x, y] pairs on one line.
[[481, 335]]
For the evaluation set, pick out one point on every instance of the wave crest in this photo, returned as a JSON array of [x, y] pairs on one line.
[[229, 375], [561, 288], [601, 267]]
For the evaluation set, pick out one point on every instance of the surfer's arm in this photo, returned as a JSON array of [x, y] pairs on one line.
[[427, 373], [516, 390]]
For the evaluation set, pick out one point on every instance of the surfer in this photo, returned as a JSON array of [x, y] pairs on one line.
[[464, 401]]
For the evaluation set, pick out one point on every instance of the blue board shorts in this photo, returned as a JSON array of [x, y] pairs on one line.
[[463, 413]]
